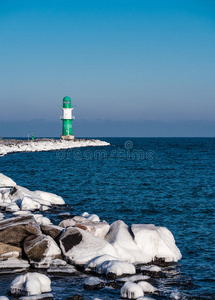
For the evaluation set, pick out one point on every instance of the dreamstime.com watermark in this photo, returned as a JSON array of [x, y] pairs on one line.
[[127, 153]]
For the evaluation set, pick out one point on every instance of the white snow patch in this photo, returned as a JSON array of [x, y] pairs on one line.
[[97, 261], [37, 297], [131, 290], [51, 198], [134, 278], [176, 295], [93, 281], [91, 217], [4, 298], [151, 268], [31, 284], [42, 220], [14, 263], [116, 267]]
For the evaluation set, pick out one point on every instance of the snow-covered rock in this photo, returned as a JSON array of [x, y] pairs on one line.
[[47, 296], [29, 204], [6, 181], [79, 246], [97, 261], [51, 230], [41, 249], [91, 217], [93, 283], [131, 290], [13, 264], [50, 198], [156, 242], [115, 268], [31, 284], [150, 268], [146, 287], [134, 278], [4, 298], [122, 241], [13, 207]]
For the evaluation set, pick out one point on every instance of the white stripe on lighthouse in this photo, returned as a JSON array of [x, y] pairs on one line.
[[67, 113]]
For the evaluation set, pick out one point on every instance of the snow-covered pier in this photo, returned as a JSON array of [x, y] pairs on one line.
[[13, 145]]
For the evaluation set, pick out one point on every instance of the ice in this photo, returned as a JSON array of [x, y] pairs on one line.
[[22, 213], [4, 298], [156, 242], [146, 287], [47, 145], [151, 268], [131, 290], [14, 263], [6, 181], [121, 239], [37, 297], [12, 207], [134, 278], [31, 284], [92, 281], [58, 263], [62, 270], [115, 267]]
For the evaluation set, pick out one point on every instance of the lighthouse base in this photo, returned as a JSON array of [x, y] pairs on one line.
[[67, 137]]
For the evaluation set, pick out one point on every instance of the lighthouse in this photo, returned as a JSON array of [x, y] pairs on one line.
[[67, 118]]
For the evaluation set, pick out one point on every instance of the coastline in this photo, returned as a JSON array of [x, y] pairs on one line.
[[14, 146]]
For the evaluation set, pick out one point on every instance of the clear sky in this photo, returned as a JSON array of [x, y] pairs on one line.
[[118, 60]]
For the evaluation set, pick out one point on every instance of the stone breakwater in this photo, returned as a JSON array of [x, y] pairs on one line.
[[11, 146], [119, 256]]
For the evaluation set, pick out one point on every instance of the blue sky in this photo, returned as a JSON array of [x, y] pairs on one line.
[[122, 61]]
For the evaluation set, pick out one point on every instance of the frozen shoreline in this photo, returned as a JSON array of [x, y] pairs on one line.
[[12, 146]]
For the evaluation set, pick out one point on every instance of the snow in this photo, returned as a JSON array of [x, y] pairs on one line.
[[14, 263], [131, 290], [91, 217], [95, 262], [42, 220], [6, 181], [176, 295], [12, 207], [50, 198], [29, 204], [47, 145], [115, 267], [2, 216], [4, 298], [62, 270], [151, 268], [156, 242], [31, 284], [147, 287], [121, 239]]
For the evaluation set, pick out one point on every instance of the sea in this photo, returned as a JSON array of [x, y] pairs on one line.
[[168, 182]]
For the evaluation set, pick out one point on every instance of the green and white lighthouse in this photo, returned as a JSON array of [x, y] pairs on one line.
[[67, 118]]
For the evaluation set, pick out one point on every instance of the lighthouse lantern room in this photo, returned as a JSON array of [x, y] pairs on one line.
[[67, 118]]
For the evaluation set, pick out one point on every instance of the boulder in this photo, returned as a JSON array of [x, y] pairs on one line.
[[31, 284], [6, 248], [51, 230], [131, 290], [156, 242], [6, 181], [14, 230], [122, 240], [40, 250], [93, 283], [13, 265], [79, 246]]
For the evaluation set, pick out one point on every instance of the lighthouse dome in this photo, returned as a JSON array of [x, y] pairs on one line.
[[66, 99]]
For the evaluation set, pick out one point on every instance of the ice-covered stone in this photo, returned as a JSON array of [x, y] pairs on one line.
[[12, 207], [46, 296], [6, 181], [99, 229], [150, 268], [51, 198], [41, 220], [131, 290], [7, 266], [6, 248], [156, 242], [67, 223], [91, 217], [29, 204], [93, 283], [8, 255], [115, 268], [15, 230], [80, 246], [52, 230], [146, 287], [134, 278], [4, 298], [41, 249], [31, 284], [121, 239], [97, 261]]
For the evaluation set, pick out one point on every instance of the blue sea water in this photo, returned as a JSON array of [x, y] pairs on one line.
[[163, 181]]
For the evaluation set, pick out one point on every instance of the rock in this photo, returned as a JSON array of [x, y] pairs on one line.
[[51, 230], [41, 220], [6, 181], [79, 246], [153, 271], [131, 290], [49, 197], [91, 217], [114, 268], [29, 204], [120, 238], [93, 283], [67, 270], [156, 242], [8, 255], [31, 284], [146, 287], [41, 249], [5, 248], [14, 230], [4, 298], [12, 207], [97, 261], [67, 223], [134, 278], [75, 297], [99, 229], [13, 265]]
